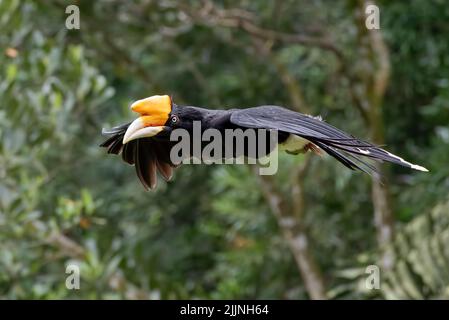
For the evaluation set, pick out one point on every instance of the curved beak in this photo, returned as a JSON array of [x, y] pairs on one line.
[[139, 129], [154, 112]]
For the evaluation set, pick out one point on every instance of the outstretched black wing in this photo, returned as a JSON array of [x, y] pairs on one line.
[[344, 147], [147, 154]]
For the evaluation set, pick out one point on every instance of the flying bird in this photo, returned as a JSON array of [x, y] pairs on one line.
[[145, 142]]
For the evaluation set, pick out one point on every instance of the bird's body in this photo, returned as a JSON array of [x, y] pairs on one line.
[[146, 142]]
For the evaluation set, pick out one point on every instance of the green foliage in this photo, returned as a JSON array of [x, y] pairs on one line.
[[421, 258]]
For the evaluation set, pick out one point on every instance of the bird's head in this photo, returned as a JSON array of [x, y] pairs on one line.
[[154, 114]]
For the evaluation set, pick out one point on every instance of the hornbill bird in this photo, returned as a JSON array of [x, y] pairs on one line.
[[145, 142]]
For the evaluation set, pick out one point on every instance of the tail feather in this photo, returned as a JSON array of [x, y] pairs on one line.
[[350, 161], [352, 149]]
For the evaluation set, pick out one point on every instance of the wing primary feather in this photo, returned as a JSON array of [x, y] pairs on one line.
[[165, 170], [116, 147], [152, 172], [148, 155], [141, 166], [109, 141], [128, 152]]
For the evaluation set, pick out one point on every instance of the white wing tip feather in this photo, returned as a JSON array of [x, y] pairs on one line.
[[419, 168], [413, 166]]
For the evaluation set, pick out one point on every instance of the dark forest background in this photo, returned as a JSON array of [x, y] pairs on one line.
[[222, 231]]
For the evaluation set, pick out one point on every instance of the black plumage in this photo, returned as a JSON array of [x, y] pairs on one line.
[[151, 154]]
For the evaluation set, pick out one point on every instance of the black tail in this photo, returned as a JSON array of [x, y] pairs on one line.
[[353, 152]]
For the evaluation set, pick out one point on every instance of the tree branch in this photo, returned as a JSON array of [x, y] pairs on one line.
[[212, 16], [373, 82], [289, 218]]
